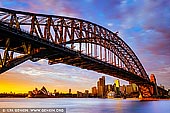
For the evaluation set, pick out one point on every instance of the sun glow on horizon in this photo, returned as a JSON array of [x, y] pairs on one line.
[[13, 81]]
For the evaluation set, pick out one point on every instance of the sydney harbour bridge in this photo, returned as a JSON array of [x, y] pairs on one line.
[[29, 36]]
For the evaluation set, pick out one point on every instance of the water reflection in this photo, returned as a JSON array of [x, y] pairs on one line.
[[84, 105]]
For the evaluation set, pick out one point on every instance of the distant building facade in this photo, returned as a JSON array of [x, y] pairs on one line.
[[86, 93], [101, 87], [79, 94], [94, 91], [168, 92], [69, 91], [117, 86]]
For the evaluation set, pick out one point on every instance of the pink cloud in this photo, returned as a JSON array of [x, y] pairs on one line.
[[54, 7]]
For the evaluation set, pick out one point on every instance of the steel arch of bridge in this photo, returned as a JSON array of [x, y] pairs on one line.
[[88, 38]]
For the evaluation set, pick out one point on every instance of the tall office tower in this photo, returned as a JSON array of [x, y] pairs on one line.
[[98, 88], [114, 87], [106, 89], [94, 91], [69, 91], [55, 91], [101, 87], [86, 93], [117, 83]]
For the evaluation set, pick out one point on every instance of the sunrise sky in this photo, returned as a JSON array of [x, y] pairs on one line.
[[143, 24]]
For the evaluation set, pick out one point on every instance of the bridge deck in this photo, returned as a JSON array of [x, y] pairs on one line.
[[59, 54]]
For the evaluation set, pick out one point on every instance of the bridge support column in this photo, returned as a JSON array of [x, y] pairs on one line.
[[149, 90], [145, 91], [154, 88]]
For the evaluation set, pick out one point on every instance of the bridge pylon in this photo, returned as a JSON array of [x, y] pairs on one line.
[[150, 90], [154, 89]]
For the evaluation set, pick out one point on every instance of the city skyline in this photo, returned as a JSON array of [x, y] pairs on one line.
[[51, 87], [100, 89], [147, 36]]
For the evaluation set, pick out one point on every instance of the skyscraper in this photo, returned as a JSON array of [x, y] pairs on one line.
[[86, 93], [55, 91], [94, 91], [117, 85], [101, 87], [98, 88], [69, 91]]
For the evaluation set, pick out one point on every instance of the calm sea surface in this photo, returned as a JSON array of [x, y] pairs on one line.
[[83, 105]]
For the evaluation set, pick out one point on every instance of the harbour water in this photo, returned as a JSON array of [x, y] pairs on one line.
[[89, 105]]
